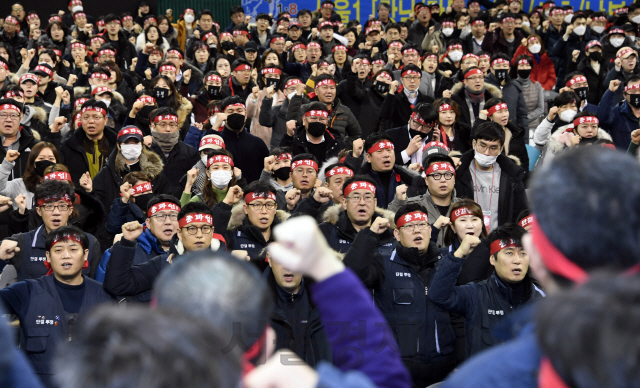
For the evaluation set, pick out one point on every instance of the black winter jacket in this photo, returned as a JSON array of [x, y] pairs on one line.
[[517, 143], [364, 102], [299, 144], [26, 142], [180, 160], [397, 109]]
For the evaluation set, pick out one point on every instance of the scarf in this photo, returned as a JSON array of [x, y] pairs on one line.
[[410, 95], [524, 82], [475, 97], [166, 141]]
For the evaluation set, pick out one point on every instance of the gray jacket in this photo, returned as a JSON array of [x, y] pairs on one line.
[[14, 187]]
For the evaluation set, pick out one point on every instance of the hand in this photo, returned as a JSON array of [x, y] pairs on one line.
[[436, 49], [414, 145], [270, 90], [300, 88], [59, 90], [466, 246], [314, 70], [135, 108], [8, 249], [269, 161], [359, 28], [574, 55], [394, 87], [237, 172], [301, 247], [447, 73], [288, 45], [148, 73], [552, 113], [191, 179], [196, 34], [435, 135], [187, 76], [283, 363], [483, 114], [125, 190], [374, 51], [564, 89], [575, 140], [635, 136], [432, 29], [368, 45], [198, 125], [234, 195], [446, 93], [332, 69], [36, 34], [355, 65], [21, 201], [85, 67], [415, 167], [247, 19], [255, 91], [613, 85], [292, 196], [12, 155], [569, 30], [139, 88], [138, 28], [523, 42], [380, 225], [241, 254], [323, 194], [58, 123], [72, 79], [291, 127], [85, 182], [147, 47], [88, 28], [5, 203], [131, 230], [66, 63], [357, 148], [314, 32], [148, 140], [169, 12], [30, 54], [66, 97], [401, 192], [61, 13], [492, 27], [545, 25], [441, 221], [391, 58], [448, 10]]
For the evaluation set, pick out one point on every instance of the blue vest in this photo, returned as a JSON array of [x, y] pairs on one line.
[[34, 256], [45, 324], [422, 330]]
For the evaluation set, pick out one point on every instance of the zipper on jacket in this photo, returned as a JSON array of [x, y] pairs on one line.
[[437, 343], [426, 290]]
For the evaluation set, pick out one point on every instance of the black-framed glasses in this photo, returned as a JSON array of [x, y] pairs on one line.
[[419, 226], [438, 175], [260, 206], [48, 207], [193, 230], [163, 217]]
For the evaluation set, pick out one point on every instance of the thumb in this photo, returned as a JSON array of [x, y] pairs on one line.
[[16, 249]]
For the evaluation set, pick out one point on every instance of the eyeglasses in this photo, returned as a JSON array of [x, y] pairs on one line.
[[163, 217], [303, 171], [493, 149], [193, 230], [17, 9], [475, 78], [171, 57], [447, 176], [412, 78], [12, 116], [420, 226], [92, 117], [356, 198], [260, 206], [48, 207], [172, 125]]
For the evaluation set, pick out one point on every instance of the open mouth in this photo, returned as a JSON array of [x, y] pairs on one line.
[[386, 163], [264, 220], [470, 233], [418, 240], [56, 222], [443, 188], [66, 265], [362, 212], [288, 277], [199, 244], [517, 271]]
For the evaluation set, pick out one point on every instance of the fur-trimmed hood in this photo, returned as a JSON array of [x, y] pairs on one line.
[[494, 90], [238, 216], [327, 163], [557, 142], [33, 113], [150, 163], [80, 91], [332, 215], [184, 110]]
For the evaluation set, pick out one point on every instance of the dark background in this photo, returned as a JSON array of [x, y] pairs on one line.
[[95, 8]]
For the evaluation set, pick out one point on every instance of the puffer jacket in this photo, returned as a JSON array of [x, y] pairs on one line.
[[617, 119], [559, 140], [458, 95], [543, 71]]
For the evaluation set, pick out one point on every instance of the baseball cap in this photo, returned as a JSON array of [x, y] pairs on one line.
[[251, 46], [213, 142], [101, 90], [43, 69], [128, 132]]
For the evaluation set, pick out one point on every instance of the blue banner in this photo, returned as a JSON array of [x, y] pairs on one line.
[[400, 9]]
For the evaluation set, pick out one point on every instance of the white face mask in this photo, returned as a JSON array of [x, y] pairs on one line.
[[568, 115], [535, 48], [598, 29], [447, 31], [546, 13], [484, 160], [212, 120], [189, 18], [526, 24], [290, 95], [204, 159], [131, 152], [580, 30], [106, 102], [636, 19], [456, 55], [616, 42], [220, 178], [77, 8], [567, 19]]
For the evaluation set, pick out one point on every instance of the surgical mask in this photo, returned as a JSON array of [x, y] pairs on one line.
[[567, 19], [568, 115], [316, 129], [598, 29], [213, 91], [447, 31], [634, 100], [77, 8], [524, 74], [106, 102], [204, 159], [381, 87], [220, 178], [580, 30], [501, 74], [535, 48], [582, 92], [526, 24], [546, 13], [282, 173], [616, 42], [456, 55], [42, 165], [235, 122], [636, 19], [595, 56], [272, 82], [291, 95], [484, 160], [189, 18], [131, 152]]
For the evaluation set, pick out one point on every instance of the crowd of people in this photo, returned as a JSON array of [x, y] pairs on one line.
[[257, 183]]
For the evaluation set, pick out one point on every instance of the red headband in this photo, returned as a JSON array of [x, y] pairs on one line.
[[10, 107], [276, 38], [213, 141], [158, 207], [324, 82], [498, 61], [33, 16], [365, 61], [359, 185], [271, 70], [531, 40], [208, 35], [338, 47], [239, 105], [195, 217], [127, 18], [339, 171], [379, 62], [96, 39], [508, 19], [477, 22], [105, 52], [44, 69], [620, 10], [411, 72], [415, 116], [432, 56], [304, 162], [225, 34], [473, 72], [292, 82], [575, 80], [616, 31], [440, 167], [79, 102], [252, 196], [240, 32], [219, 159], [459, 212], [313, 44], [410, 51], [189, 10], [444, 107], [593, 43], [147, 100], [12, 94], [99, 75], [470, 55], [385, 75], [496, 108], [175, 52], [624, 52], [173, 118], [523, 62], [327, 5], [242, 67], [142, 188], [54, 18], [525, 221], [101, 23], [454, 47], [95, 109], [130, 131], [58, 176], [65, 198], [452, 24], [396, 44], [298, 46], [499, 245], [167, 68], [553, 259], [214, 77], [413, 216], [321, 113], [65, 237], [145, 22], [284, 156], [556, 11], [79, 14], [585, 119], [629, 87], [380, 145], [78, 45]]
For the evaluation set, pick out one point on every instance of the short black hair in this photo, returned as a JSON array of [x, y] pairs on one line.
[[277, 151], [54, 189], [94, 103], [583, 114], [236, 9], [490, 131], [570, 75], [334, 165], [163, 110], [505, 232], [259, 187], [111, 17], [565, 98], [356, 178], [101, 70], [499, 55], [427, 112], [633, 78], [577, 15], [392, 26], [526, 58], [205, 12], [238, 62], [303, 12], [323, 77], [12, 102], [194, 207], [64, 233], [241, 27], [163, 198], [374, 138], [230, 101], [412, 67], [493, 102], [409, 208]]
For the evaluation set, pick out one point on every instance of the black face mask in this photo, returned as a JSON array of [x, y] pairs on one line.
[[42, 165], [634, 100], [272, 82], [524, 74], [501, 74], [213, 92], [282, 173], [226, 46], [582, 92], [588, 140], [381, 87], [595, 56], [143, 200], [235, 122], [146, 111], [161, 94], [316, 129]]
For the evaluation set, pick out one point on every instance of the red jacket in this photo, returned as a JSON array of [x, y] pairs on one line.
[[543, 72]]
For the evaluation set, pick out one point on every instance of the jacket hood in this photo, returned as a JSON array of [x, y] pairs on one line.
[[238, 216], [150, 163], [557, 141], [184, 110], [33, 113], [494, 90], [332, 215], [327, 163], [80, 91]]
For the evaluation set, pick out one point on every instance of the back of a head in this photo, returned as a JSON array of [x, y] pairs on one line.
[[225, 291], [589, 333], [138, 347], [587, 203]]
